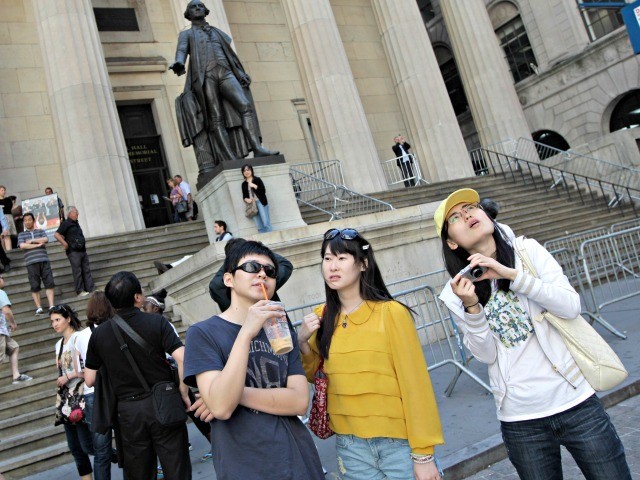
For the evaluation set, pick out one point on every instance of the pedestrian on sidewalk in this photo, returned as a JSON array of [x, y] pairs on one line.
[[381, 403], [71, 237], [33, 241], [8, 346], [543, 400]]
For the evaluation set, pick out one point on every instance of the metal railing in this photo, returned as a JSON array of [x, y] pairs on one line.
[[587, 189], [314, 185], [618, 227], [580, 164], [611, 265], [397, 172], [573, 242]]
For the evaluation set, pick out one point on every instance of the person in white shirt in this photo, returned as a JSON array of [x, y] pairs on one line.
[[186, 192], [543, 400]]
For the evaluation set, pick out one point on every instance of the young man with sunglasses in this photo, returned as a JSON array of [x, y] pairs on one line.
[[254, 394]]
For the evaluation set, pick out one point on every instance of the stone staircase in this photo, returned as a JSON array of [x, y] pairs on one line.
[[524, 206], [28, 440]]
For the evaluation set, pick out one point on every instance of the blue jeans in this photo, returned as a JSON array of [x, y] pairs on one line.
[[373, 458], [80, 445], [101, 445], [263, 221], [586, 432]]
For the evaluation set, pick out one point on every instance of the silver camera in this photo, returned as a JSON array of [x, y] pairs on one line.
[[474, 273]]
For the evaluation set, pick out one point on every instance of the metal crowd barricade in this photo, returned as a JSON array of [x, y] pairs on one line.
[[395, 175], [438, 332], [572, 242], [626, 225], [611, 265]]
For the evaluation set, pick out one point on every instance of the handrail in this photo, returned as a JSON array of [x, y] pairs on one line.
[[532, 172], [330, 198], [398, 173], [578, 163]]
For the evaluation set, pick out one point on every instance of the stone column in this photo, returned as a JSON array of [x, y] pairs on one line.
[[339, 120], [217, 17], [88, 132], [487, 81], [433, 130]]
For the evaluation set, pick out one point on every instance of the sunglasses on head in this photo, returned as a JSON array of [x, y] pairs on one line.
[[255, 267], [61, 310], [345, 234]]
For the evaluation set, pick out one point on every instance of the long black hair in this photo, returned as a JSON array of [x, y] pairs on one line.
[[372, 286], [456, 260]]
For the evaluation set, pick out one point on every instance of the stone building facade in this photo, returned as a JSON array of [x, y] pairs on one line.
[[87, 101]]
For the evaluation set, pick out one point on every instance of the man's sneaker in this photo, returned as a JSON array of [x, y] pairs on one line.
[[83, 294], [39, 311], [51, 308], [21, 378]]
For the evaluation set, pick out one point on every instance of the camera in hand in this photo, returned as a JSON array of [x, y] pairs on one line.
[[472, 273]]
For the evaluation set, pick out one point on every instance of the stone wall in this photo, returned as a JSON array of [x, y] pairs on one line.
[[404, 242]]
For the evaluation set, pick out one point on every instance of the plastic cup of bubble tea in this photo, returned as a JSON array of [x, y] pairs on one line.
[[278, 333]]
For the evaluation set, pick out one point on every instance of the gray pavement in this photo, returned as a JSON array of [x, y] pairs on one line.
[[470, 426]]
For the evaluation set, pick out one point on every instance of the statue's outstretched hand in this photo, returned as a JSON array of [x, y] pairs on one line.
[[245, 80], [178, 68]]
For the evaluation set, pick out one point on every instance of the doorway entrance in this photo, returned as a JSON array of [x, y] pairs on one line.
[[148, 164]]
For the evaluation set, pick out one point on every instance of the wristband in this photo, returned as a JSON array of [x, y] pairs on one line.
[[422, 459], [466, 308]]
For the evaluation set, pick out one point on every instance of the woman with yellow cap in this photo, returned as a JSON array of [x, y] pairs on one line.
[[543, 401]]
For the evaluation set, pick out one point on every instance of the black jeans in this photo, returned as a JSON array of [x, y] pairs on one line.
[[585, 430], [81, 446], [81, 273], [143, 438]]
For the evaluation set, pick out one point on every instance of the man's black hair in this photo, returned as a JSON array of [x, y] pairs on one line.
[[490, 207], [222, 223], [241, 250], [121, 290], [29, 214], [233, 243]]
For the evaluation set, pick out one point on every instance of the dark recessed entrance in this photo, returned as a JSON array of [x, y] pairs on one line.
[[148, 163]]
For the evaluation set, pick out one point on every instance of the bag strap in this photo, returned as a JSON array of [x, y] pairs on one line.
[[524, 256], [125, 349], [133, 334]]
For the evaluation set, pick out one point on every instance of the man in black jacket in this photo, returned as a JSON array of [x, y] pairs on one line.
[[70, 236], [404, 160], [143, 436]]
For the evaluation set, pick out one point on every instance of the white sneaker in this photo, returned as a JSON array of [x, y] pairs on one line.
[[39, 311], [83, 294]]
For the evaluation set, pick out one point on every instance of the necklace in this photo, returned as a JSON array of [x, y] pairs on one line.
[[346, 316]]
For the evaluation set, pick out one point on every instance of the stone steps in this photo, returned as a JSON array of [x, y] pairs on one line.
[[28, 440]]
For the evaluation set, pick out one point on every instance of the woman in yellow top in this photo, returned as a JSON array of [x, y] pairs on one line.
[[380, 399]]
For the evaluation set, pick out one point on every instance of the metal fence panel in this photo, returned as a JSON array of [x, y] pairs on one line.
[[396, 175], [618, 227]]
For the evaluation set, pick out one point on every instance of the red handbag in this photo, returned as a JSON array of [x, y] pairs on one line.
[[319, 417]]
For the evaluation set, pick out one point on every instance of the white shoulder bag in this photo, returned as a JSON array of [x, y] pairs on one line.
[[595, 358]]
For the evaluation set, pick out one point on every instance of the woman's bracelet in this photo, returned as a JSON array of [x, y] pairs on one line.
[[470, 306], [422, 459]]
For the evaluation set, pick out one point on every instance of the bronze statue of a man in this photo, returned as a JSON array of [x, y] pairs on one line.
[[215, 113]]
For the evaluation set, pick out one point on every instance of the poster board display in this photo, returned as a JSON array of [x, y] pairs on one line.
[[46, 212]]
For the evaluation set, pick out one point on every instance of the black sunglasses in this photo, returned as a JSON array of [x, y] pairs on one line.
[[345, 234], [255, 267], [61, 310]]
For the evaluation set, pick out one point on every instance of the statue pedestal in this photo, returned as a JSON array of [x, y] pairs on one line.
[[221, 197]]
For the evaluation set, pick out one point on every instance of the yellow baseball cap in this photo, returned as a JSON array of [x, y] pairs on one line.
[[464, 195]]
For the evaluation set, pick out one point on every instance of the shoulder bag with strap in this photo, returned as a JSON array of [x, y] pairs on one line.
[[318, 416], [595, 358], [169, 408], [251, 209], [70, 404]]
